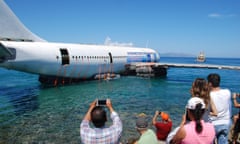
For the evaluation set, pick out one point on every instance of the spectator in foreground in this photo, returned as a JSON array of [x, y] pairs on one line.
[[163, 127], [100, 134], [201, 89], [236, 105], [236, 121], [147, 135], [222, 100], [196, 131]]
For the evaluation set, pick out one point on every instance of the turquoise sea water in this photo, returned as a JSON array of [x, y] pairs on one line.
[[30, 113]]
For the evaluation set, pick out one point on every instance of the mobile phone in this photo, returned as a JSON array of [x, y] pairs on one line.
[[187, 117], [101, 102]]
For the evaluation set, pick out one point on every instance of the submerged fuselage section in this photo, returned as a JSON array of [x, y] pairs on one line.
[[70, 60]]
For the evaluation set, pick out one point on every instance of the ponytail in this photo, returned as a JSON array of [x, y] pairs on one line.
[[197, 113], [198, 126]]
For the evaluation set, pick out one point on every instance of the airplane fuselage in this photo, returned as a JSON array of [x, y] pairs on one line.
[[71, 60]]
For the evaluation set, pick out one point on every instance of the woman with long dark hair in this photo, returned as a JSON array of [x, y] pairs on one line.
[[201, 89], [196, 131], [236, 120]]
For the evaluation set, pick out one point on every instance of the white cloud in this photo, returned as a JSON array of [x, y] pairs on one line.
[[231, 15], [217, 15], [214, 15], [108, 41]]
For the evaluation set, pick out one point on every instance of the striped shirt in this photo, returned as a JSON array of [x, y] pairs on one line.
[[105, 135]]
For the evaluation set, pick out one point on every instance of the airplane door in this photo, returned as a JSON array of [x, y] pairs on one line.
[[65, 56], [110, 56]]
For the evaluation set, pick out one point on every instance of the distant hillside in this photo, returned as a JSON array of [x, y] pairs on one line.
[[176, 55]]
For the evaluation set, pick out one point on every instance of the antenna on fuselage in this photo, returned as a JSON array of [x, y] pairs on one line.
[[147, 44]]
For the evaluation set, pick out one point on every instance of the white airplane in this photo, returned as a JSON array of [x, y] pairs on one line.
[[22, 50]]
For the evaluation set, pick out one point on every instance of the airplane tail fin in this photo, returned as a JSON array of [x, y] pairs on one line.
[[11, 27]]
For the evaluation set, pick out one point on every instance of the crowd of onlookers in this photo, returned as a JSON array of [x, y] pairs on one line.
[[207, 119]]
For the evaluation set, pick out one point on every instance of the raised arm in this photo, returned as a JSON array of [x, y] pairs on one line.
[[213, 111], [236, 104], [117, 123], [154, 119], [181, 133], [88, 114], [109, 105]]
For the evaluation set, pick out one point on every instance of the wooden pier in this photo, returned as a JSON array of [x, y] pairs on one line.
[[160, 69], [208, 66]]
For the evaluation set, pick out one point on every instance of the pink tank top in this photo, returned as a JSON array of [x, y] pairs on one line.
[[205, 137]]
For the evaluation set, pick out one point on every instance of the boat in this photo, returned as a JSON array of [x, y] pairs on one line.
[[107, 76], [201, 57]]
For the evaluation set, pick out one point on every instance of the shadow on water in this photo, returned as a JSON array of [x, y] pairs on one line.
[[24, 101], [16, 102]]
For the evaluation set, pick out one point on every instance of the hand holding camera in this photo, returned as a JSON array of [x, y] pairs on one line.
[[235, 95], [105, 102], [101, 102], [157, 113]]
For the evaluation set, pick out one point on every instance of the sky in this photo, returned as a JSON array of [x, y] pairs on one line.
[[168, 26]]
